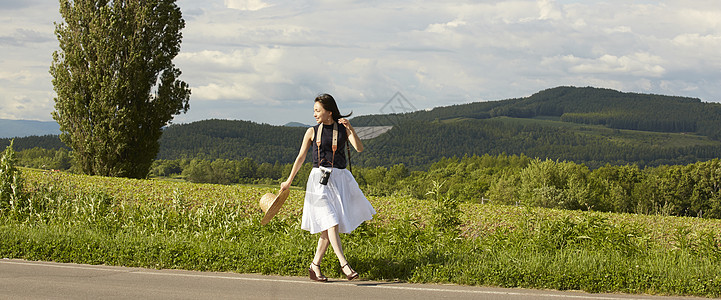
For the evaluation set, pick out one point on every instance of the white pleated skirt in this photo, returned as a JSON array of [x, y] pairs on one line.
[[341, 202]]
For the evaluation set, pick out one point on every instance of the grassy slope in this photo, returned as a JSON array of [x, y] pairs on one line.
[[477, 218], [498, 245], [620, 137]]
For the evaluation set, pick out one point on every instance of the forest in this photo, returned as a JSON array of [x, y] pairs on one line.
[[679, 190], [571, 148], [587, 105], [590, 126]]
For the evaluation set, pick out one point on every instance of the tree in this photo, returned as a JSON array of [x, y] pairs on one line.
[[116, 84]]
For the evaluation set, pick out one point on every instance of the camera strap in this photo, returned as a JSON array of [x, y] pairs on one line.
[[335, 141]]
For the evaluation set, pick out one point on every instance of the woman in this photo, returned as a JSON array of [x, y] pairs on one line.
[[336, 204]]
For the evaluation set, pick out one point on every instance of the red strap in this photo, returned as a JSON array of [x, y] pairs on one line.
[[335, 141]]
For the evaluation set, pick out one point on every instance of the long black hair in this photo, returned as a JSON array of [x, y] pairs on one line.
[[329, 104]]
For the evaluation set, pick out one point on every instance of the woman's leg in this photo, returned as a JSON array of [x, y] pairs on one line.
[[320, 252], [334, 238], [322, 247]]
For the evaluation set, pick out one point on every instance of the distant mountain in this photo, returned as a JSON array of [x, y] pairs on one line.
[[29, 142], [587, 105], [23, 128], [296, 124], [586, 125], [231, 139]]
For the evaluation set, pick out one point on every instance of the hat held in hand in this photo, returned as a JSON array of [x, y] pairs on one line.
[[270, 204]]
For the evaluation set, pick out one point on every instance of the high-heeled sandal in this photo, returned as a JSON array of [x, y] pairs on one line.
[[314, 276], [352, 275]]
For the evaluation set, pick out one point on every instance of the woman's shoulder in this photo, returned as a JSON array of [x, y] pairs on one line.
[[310, 131]]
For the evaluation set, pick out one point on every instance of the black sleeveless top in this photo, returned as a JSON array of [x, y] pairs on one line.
[[326, 147]]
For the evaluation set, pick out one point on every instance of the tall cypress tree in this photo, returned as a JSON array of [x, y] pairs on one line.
[[116, 83]]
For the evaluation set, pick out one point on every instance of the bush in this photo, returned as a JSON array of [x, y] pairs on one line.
[[39, 158], [162, 224], [555, 184], [445, 212], [11, 183]]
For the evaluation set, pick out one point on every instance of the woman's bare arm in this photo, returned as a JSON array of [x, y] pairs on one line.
[[352, 136], [307, 141]]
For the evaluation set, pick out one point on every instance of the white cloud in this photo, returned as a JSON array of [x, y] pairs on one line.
[[214, 91], [637, 64], [265, 60], [549, 10], [22, 77], [698, 41], [251, 5], [445, 27]]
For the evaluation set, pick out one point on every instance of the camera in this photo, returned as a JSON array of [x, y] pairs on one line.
[[325, 176]]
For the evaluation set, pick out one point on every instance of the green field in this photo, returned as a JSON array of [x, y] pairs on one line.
[[619, 136], [166, 224]]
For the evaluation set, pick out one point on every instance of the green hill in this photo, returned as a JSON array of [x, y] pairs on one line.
[[588, 105], [231, 139], [586, 125], [418, 143]]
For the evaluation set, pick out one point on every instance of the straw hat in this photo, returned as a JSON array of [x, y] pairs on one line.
[[270, 204]]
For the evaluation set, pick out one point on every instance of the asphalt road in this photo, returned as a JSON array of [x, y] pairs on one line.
[[20, 279]]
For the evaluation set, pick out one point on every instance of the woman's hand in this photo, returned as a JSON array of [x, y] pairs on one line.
[[352, 136], [284, 185], [345, 123]]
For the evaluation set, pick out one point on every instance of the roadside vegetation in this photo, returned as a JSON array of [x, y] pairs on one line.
[[674, 190], [165, 224]]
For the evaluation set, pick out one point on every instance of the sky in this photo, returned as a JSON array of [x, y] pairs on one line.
[[265, 60]]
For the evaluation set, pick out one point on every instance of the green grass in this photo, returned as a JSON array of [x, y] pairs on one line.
[[165, 224], [619, 136]]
